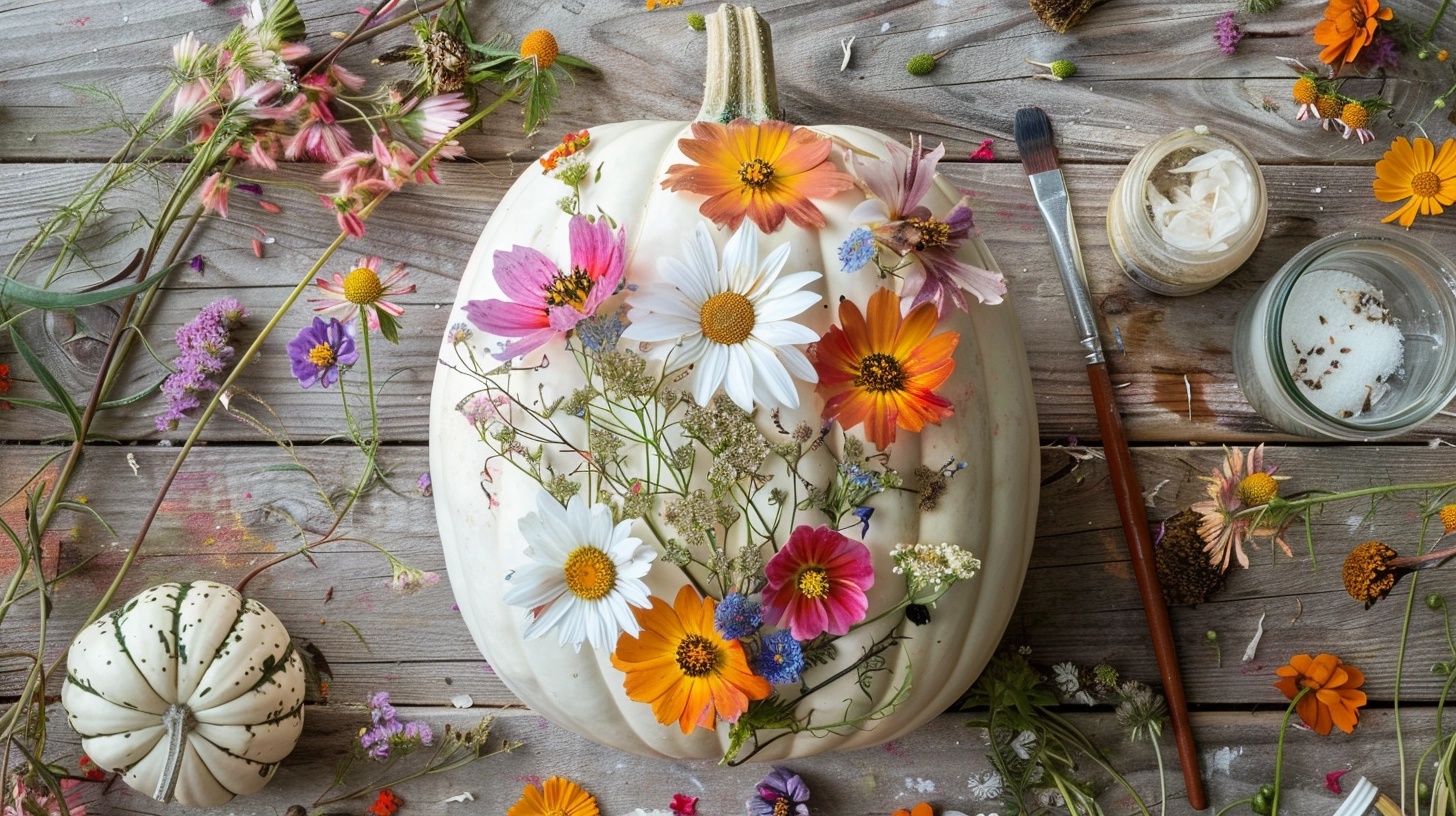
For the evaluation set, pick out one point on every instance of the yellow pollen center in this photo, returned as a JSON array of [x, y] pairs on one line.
[[1448, 518], [1328, 107], [1355, 115], [697, 656], [814, 583], [362, 286], [590, 574], [727, 318], [781, 807], [557, 812], [932, 233], [1305, 91], [1257, 489], [322, 355], [1426, 184], [880, 373], [755, 173], [569, 289]]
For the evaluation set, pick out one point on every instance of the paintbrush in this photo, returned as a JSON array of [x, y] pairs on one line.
[[1038, 155]]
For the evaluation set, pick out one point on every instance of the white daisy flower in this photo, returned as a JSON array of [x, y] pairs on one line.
[[731, 321], [584, 576]]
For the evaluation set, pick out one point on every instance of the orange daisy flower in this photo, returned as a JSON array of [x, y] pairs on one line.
[[1333, 699], [883, 372], [685, 669], [921, 809], [1417, 173], [555, 797], [764, 171], [1349, 26]]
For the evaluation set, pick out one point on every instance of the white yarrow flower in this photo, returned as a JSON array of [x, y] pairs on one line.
[[585, 574], [731, 320], [986, 785]]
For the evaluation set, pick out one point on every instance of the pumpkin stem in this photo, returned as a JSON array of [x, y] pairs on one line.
[[740, 78], [179, 721]]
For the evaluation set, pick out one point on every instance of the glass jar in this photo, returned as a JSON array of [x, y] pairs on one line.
[[1210, 236], [1405, 282]]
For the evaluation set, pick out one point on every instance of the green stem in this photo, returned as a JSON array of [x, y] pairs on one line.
[[1440, 12], [1232, 805], [1162, 774], [1279, 752]]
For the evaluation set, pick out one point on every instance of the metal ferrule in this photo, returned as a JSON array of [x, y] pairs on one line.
[[1050, 190]]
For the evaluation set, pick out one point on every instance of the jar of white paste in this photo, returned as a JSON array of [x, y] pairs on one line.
[[1353, 339], [1188, 211]]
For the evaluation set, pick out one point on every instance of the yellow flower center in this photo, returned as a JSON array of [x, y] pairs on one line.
[[1257, 488], [362, 286], [1448, 518], [322, 355], [1426, 184], [697, 656], [1355, 115], [781, 807], [590, 574], [1305, 91], [540, 44], [755, 173], [727, 318], [1328, 107], [814, 583], [569, 289], [932, 233], [880, 373]]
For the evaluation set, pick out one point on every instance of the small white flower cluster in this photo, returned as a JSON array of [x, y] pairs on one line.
[[933, 566]]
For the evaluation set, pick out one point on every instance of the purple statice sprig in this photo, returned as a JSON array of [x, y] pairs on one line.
[[1226, 33], [386, 733], [205, 346]]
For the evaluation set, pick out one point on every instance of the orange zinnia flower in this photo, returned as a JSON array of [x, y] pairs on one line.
[[1333, 697], [684, 668], [765, 171], [1349, 26], [884, 371]]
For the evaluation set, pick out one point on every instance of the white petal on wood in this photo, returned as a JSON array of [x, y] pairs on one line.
[[196, 784], [266, 742], [92, 715], [257, 639], [117, 751], [276, 698], [204, 620], [146, 628], [97, 662]]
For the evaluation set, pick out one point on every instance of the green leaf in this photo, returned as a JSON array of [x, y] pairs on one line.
[[137, 397], [47, 380], [388, 326], [575, 62], [27, 295], [78, 507]]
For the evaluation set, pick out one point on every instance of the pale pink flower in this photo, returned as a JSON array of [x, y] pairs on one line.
[[346, 210], [213, 194], [430, 120], [185, 52], [396, 164], [194, 102], [362, 289], [1226, 523], [545, 301], [358, 168], [21, 799], [320, 139]]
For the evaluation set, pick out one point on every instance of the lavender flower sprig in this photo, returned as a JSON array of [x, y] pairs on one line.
[[206, 350], [387, 733]]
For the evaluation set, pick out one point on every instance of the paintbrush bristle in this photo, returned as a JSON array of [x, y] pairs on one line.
[[1033, 132]]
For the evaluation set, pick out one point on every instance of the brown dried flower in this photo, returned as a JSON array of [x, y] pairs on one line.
[[1369, 574], [1184, 571], [1061, 15]]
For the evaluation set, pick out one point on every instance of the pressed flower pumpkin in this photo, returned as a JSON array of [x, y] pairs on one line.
[[716, 272]]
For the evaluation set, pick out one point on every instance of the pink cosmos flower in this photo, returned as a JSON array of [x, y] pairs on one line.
[[547, 302], [899, 222], [345, 295], [817, 583], [429, 120], [213, 194]]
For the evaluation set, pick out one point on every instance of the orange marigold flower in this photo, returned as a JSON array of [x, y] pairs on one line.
[[555, 797], [765, 171], [883, 371], [1414, 171], [1349, 26], [686, 670], [921, 809], [1334, 697], [540, 45]]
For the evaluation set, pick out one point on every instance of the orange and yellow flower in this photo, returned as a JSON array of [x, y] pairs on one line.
[[1414, 171], [680, 665], [1349, 26], [883, 371], [1334, 698], [555, 797], [766, 171]]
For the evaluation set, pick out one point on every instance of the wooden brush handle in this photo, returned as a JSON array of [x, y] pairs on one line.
[[1140, 547]]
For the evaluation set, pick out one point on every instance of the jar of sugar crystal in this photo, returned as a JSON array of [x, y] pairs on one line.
[[1353, 339], [1188, 211]]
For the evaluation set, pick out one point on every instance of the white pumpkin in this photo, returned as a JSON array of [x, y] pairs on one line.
[[988, 508], [189, 691]]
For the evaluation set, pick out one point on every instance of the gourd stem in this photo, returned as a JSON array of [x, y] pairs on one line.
[[739, 83], [179, 721]]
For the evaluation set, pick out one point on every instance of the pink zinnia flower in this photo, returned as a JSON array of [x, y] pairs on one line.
[[345, 295], [547, 302], [430, 120], [817, 583], [899, 222], [213, 194]]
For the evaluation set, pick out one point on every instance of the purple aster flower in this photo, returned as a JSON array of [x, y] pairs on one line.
[[781, 793], [1382, 52], [319, 350], [1226, 33], [780, 660], [425, 485], [205, 351], [737, 617]]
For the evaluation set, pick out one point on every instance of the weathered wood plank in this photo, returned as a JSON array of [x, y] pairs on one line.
[[1143, 64], [935, 765], [228, 513], [434, 231]]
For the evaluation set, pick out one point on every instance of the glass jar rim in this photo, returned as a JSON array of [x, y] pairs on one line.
[[1153, 154]]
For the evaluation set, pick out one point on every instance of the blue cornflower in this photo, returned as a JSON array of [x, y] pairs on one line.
[[857, 250], [863, 514], [737, 617], [601, 332], [780, 659]]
